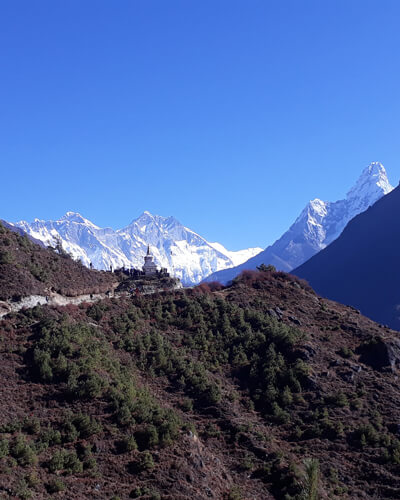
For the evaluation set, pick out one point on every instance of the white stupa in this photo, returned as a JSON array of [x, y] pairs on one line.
[[149, 267]]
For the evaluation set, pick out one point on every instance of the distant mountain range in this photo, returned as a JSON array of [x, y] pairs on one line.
[[361, 268], [320, 223], [189, 256], [186, 254]]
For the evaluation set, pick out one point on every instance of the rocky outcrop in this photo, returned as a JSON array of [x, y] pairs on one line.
[[381, 354]]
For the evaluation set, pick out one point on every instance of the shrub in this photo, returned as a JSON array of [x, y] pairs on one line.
[[86, 425], [234, 493], [6, 257], [338, 399], [23, 452], [128, 444], [31, 425], [32, 479], [69, 432], [187, 405], [55, 485], [147, 437], [22, 491], [57, 461], [310, 479], [146, 462], [67, 461], [346, 352], [50, 436], [4, 448]]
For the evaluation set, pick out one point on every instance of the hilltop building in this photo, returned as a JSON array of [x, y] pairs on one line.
[[149, 270], [147, 280], [149, 267]]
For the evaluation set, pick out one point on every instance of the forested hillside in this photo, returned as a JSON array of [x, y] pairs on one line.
[[259, 390]]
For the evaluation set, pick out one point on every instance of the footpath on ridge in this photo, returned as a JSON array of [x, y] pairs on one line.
[[54, 299]]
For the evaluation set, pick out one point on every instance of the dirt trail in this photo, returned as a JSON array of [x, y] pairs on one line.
[[54, 299]]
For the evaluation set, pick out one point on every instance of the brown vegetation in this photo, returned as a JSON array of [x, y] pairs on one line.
[[28, 269], [260, 390]]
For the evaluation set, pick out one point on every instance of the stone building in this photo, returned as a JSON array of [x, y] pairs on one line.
[[149, 266]]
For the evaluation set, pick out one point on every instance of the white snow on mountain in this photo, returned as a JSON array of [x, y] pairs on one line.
[[320, 223], [239, 256], [182, 251]]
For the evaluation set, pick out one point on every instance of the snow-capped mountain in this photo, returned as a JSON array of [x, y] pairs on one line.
[[183, 252], [319, 224]]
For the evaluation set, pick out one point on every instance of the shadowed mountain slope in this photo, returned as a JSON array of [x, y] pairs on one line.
[[320, 223], [361, 267]]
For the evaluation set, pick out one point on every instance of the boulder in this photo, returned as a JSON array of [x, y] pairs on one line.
[[381, 354]]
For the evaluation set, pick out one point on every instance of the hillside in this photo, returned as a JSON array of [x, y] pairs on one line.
[[29, 269], [224, 393], [319, 223], [361, 267]]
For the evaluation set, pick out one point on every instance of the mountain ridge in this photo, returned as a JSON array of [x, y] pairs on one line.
[[185, 253], [318, 224], [360, 267]]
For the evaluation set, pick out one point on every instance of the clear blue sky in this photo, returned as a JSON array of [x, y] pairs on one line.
[[229, 115]]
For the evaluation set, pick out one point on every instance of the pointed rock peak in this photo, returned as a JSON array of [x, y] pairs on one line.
[[372, 179], [74, 216], [143, 218], [78, 218], [375, 167], [317, 204], [146, 215], [313, 207], [148, 218]]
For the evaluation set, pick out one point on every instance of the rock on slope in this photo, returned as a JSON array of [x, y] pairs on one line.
[[184, 253], [361, 267], [319, 224]]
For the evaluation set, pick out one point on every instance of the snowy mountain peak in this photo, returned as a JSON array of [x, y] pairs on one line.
[[315, 209], [147, 218], [175, 247], [76, 218], [373, 179], [318, 206], [319, 223]]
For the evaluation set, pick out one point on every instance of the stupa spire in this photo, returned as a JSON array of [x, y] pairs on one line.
[[149, 266]]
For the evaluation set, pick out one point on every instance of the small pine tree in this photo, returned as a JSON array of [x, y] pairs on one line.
[[311, 479]]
